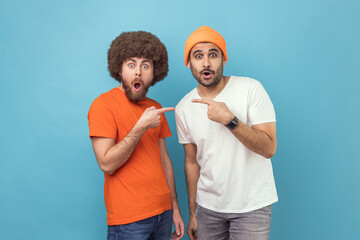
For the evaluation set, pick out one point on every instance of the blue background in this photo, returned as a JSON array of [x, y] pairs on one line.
[[53, 65]]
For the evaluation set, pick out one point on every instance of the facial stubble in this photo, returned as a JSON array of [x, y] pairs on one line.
[[217, 75]]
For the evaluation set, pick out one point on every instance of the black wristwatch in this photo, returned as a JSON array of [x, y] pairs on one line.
[[233, 123]]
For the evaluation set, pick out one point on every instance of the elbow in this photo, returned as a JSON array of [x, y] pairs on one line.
[[106, 169], [270, 153], [109, 172]]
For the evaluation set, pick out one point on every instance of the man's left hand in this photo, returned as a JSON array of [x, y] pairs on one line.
[[217, 111]]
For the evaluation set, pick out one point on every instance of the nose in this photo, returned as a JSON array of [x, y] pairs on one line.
[[206, 62], [138, 71]]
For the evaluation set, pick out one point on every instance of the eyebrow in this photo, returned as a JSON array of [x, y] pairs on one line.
[[210, 50], [143, 61], [196, 51], [213, 50]]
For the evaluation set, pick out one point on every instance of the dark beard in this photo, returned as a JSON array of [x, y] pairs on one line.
[[215, 80], [135, 97]]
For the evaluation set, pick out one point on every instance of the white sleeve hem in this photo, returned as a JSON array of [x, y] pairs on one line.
[[263, 121]]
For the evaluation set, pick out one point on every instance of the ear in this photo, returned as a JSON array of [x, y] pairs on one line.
[[224, 60], [188, 64]]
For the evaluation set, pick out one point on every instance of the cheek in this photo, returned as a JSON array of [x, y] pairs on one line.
[[148, 76], [195, 68], [194, 71], [126, 73], [220, 68]]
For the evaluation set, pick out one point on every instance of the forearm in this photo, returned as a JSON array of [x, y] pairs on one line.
[[118, 154], [169, 173], [256, 140], [192, 172]]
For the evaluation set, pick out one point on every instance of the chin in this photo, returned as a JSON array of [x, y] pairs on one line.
[[136, 97]]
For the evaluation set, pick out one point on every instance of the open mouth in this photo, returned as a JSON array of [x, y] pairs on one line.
[[207, 74], [137, 86]]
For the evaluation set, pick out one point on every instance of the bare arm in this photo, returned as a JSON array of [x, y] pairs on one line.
[[260, 138], [169, 175], [111, 156], [192, 172]]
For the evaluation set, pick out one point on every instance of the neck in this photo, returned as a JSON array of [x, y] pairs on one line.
[[213, 91]]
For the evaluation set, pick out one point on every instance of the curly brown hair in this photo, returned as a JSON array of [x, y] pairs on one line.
[[138, 44]]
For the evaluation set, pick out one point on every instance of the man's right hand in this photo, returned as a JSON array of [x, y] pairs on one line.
[[151, 116], [192, 228]]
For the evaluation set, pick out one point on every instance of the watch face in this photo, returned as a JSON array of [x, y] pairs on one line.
[[233, 123]]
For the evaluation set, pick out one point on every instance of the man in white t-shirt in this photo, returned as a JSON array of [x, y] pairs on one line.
[[227, 127]]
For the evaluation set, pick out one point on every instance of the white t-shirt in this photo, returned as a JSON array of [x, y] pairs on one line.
[[233, 179]]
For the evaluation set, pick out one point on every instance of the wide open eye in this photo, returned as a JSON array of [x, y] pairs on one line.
[[131, 65]]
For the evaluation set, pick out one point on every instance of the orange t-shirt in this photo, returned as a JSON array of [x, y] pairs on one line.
[[138, 189]]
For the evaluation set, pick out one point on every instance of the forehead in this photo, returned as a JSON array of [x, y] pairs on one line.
[[205, 47]]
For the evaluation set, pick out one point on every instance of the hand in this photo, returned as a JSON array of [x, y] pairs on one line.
[[179, 226], [217, 111], [151, 116], [192, 228]]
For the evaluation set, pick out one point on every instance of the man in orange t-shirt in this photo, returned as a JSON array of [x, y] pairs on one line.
[[128, 132]]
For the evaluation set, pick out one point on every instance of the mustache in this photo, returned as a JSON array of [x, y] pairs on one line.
[[208, 70], [137, 79]]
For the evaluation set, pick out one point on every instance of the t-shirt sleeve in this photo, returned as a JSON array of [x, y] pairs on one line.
[[261, 109], [181, 129], [101, 120], [164, 129]]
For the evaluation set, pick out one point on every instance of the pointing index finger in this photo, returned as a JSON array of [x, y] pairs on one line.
[[204, 101], [166, 109]]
